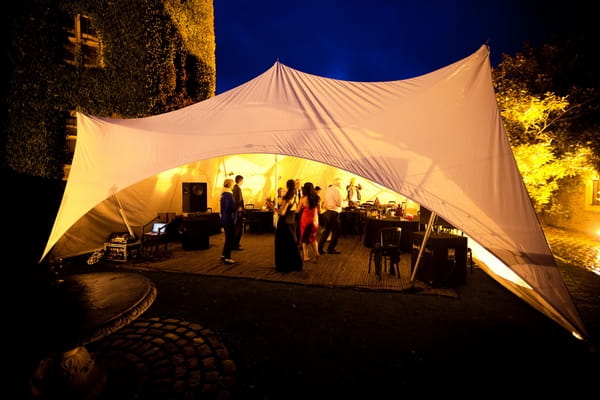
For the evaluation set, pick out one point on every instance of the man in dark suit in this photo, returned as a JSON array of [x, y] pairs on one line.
[[238, 198]]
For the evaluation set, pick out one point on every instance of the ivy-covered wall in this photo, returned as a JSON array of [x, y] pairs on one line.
[[159, 55]]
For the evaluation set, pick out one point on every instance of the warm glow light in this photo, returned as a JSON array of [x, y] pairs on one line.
[[595, 267], [256, 170], [494, 264], [264, 173], [164, 180], [577, 335]]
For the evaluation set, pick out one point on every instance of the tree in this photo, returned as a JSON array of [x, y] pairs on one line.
[[562, 76], [551, 117]]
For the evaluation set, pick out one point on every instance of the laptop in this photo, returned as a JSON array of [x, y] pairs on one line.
[[158, 228]]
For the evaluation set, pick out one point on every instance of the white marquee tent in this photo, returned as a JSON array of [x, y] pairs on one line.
[[437, 139]]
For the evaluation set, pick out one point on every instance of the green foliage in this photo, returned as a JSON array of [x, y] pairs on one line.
[[543, 173], [565, 72], [152, 64], [546, 122]]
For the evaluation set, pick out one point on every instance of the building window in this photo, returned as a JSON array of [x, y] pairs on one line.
[[83, 47], [71, 140], [596, 192]]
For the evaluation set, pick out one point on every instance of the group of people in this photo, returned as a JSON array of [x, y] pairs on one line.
[[306, 220], [309, 220]]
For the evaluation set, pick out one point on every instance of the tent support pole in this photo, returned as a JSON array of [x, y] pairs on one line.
[[432, 218], [123, 216]]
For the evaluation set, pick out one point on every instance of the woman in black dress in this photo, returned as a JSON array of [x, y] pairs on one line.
[[287, 256]]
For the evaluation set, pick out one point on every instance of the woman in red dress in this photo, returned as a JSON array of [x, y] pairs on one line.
[[309, 220]]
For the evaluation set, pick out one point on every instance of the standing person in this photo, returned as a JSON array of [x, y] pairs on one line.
[[276, 205], [287, 256], [280, 194], [353, 193], [321, 208], [299, 194], [228, 220], [318, 192], [238, 197], [292, 218], [331, 217], [309, 221], [298, 188]]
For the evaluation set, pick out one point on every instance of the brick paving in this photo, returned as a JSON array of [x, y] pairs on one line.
[[166, 359], [575, 248]]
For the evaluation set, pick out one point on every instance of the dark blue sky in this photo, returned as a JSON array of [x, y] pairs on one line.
[[375, 40]]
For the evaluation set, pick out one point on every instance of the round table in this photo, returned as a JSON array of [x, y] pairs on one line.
[[81, 309]]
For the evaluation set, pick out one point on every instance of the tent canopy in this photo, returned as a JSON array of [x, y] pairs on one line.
[[437, 139]]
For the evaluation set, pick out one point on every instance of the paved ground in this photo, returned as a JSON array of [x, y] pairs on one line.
[[220, 338], [575, 248], [166, 358]]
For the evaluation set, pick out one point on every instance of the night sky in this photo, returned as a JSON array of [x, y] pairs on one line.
[[377, 40]]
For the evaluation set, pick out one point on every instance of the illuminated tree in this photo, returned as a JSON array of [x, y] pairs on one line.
[[543, 171], [553, 136]]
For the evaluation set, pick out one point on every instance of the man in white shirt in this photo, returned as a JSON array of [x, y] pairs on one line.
[[331, 217]]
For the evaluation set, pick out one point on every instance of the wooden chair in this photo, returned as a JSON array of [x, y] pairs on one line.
[[154, 233], [390, 248], [385, 253]]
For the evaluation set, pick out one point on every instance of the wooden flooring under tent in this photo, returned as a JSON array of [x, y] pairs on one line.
[[348, 269]]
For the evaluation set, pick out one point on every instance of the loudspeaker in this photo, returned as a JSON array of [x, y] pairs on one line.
[[444, 260], [195, 197]]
